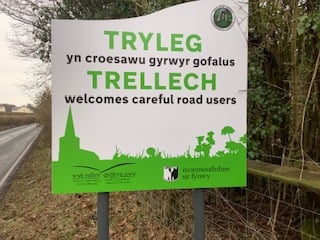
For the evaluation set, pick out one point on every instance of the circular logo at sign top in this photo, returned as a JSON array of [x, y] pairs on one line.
[[222, 18]]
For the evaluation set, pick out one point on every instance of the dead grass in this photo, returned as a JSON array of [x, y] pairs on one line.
[[28, 210]]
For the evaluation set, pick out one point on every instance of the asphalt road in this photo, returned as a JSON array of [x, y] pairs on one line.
[[14, 144]]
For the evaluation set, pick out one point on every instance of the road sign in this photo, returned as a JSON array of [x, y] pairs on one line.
[[153, 102]]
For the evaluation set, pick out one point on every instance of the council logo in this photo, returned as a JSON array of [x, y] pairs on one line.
[[222, 18], [170, 174]]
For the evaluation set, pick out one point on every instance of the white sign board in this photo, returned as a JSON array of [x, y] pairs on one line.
[[170, 85]]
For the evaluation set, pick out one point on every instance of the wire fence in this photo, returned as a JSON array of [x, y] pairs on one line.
[[265, 209]]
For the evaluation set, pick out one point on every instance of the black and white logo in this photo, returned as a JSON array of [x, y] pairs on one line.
[[170, 173]]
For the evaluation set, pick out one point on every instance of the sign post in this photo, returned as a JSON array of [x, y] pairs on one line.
[[152, 102], [103, 216], [199, 214]]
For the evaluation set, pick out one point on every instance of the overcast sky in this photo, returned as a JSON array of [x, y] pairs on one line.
[[14, 71]]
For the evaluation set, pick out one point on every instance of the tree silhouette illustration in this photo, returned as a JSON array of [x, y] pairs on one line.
[[227, 130]]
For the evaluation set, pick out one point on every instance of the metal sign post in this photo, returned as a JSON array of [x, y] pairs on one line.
[[103, 216], [199, 216]]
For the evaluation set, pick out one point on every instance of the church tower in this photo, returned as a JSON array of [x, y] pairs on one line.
[[70, 151], [69, 143]]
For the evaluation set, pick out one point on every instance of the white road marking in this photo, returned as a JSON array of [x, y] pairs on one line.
[[9, 172], [4, 138]]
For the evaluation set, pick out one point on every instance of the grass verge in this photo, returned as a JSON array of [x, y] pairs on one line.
[[28, 210]]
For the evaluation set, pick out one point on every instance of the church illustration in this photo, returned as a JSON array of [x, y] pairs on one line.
[[69, 146]]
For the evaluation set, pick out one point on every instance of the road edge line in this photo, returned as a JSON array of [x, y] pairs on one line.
[[22, 155]]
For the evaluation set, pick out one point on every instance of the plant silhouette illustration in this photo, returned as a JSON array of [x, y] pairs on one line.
[[201, 151], [205, 144], [78, 168], [227, 130], [232, 146], [153, 153], [71, 153], [243, 139]]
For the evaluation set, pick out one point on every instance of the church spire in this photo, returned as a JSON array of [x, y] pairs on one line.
[[69, 150], [70, 127]]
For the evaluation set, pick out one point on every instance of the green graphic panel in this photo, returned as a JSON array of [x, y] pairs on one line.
[[78, 170]]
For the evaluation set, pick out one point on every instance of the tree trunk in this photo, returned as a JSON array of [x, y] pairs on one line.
[[296, 92]]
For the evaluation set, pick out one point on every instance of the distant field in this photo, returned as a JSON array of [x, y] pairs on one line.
[[10, 120]]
